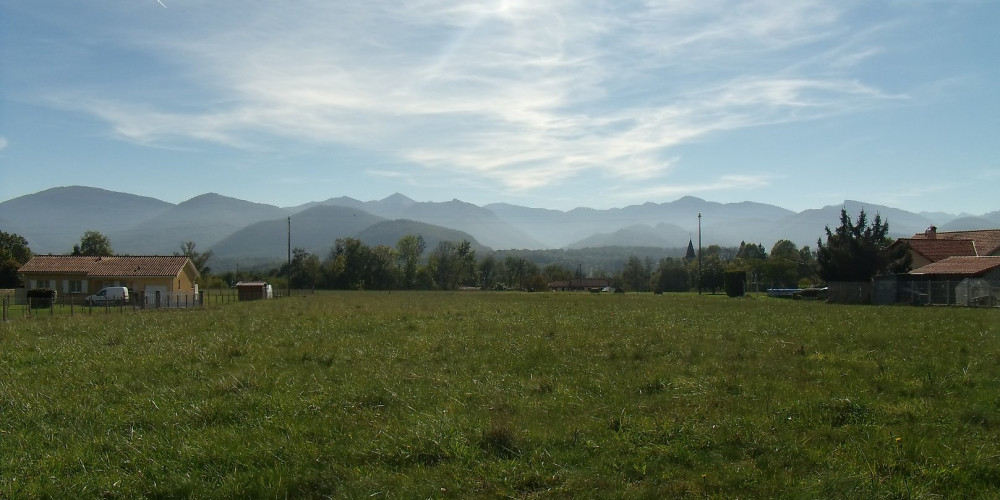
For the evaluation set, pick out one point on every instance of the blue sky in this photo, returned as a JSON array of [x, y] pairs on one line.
[[553, 104]]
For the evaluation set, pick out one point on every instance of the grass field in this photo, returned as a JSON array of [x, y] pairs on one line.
[[507, 394]]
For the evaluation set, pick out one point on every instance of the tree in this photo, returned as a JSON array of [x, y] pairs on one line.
[[672, 276], [713, 273], [635, 274], [443, 265], [467, 272], [517, 272], [807, 267], [855, 251], [490, 272], [303, 271], [381, 268], [556, 272], [349, 267], [782, 268], [14, 253], [752, 258], [713, 268], [752, 251], [199, 259], [409, 248], [452, 265], [93, 244]]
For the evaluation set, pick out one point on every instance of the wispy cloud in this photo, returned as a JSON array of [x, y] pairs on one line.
[[522, 94], [3, 143], [721, 183]]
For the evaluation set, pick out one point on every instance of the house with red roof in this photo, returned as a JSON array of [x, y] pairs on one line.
[[954, 267], [986, 241], [961, 267], [81, 275], [932, 246]]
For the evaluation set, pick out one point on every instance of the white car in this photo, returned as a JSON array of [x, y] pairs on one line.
[[109, 295]]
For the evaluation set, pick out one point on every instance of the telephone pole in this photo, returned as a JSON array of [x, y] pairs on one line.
[[289, 282], [699, 253]]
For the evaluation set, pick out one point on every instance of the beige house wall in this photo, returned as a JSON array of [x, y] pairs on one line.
[[918, 261], [69, 284]]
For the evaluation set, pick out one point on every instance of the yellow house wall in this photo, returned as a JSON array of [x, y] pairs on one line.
[[183, 283], [57, 282], [918, 260]]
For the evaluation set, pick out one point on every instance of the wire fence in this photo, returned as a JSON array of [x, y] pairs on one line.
[[14, 304], [967, 293]]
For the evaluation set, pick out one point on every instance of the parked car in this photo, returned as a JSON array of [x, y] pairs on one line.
[[109, 295]]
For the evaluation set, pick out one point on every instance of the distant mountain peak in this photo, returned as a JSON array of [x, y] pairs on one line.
[[397, 198]]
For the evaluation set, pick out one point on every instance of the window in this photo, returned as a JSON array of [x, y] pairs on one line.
[[75, 286]]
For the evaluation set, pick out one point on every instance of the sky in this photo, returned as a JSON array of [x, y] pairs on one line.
[[549, 104]]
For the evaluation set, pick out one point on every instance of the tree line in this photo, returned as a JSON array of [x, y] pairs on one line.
[[854, 251]]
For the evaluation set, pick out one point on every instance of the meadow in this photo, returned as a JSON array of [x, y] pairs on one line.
[[389, 395]]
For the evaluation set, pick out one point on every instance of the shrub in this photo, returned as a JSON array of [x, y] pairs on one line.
[[735, 283], [41, 298]]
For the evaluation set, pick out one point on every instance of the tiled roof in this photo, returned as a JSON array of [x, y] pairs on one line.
[[987, 240], [123, 266], [960, 266], [937, 249]]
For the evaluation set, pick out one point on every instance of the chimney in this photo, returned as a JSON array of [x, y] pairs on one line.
[[931, 232]]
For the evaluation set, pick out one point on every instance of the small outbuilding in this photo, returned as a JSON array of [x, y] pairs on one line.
[[253, 290]]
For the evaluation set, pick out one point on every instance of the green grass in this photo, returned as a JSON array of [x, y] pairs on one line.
[[483, 395]]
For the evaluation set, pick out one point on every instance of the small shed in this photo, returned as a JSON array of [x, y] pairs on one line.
[[253, 290]]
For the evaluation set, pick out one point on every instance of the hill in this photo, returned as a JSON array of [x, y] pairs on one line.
[[389, 232], [315, 230], [54, 220], [639, 235], [204, 219], [480, 223]]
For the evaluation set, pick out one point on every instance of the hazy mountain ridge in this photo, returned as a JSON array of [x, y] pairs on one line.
[[315, 230], [54, 220], [481, 223], [205, 219], [45, 218]]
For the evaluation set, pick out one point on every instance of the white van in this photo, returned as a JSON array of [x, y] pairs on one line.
[[109, 295]]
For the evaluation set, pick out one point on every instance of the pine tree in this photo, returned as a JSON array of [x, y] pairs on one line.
[[690, 255], [855, 251]]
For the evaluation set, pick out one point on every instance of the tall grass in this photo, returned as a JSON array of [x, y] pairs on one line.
[[482, 394]]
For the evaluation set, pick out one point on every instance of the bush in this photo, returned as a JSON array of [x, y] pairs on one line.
[[735, 282], [41, 298]]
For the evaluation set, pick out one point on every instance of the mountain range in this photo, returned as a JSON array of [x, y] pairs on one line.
[[55, 219]]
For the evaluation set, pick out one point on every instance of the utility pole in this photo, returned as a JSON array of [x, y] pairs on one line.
[[289, 277], [699, 253]]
